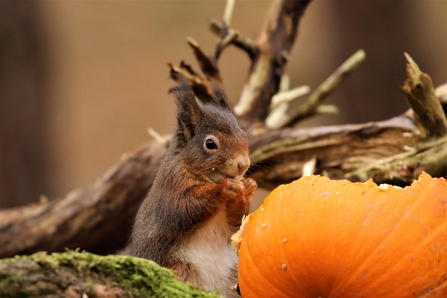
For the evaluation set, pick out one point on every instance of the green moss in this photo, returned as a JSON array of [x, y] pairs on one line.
[[138, 277]]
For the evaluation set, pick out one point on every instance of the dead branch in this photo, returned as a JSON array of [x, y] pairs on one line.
[[243, 43], [97, 217], [428, 110], [275, 42], [287, 115], [208, 66]]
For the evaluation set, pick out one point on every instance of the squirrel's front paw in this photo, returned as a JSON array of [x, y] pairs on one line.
[[237, 204], [250, 186], [232, 189]]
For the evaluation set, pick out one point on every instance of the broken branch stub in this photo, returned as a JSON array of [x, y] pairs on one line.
[[208, 66], [427, 108]]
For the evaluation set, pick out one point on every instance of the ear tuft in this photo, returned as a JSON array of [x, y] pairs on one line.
[[220, 96], [188, 111]]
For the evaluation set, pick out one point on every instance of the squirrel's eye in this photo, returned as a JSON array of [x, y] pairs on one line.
[[210, 144]]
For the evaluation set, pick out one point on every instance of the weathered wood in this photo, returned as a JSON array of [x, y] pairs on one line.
[[429, 114], [290, 113], [274, 43], [279, 155], [97, 217]]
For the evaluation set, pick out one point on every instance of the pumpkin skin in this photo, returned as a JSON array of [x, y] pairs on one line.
[[317, 237]]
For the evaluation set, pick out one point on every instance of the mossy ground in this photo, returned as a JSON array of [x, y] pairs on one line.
[[49, 275]]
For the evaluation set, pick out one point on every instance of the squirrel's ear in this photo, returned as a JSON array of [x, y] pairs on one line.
[[188, 111], [221, 97]]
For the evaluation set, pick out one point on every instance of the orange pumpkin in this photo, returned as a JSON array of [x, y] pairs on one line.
[[317, 237]]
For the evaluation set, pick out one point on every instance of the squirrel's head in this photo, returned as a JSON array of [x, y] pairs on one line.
[[208, 137]]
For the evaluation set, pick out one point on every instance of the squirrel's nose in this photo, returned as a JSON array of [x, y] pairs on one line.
[[243, 162]]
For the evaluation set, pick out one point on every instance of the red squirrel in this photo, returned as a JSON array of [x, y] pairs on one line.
[[199, 195]]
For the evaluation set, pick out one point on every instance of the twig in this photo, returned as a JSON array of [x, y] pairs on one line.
[[441, 94], [208, 63], [296, 111], [284, 84], [309, 166], [326, 109], [209, 68], [226, 36], [285, 97], [228, 13], [428, 110], [281, 102], [243, 43], [225, 41], [162, 140]]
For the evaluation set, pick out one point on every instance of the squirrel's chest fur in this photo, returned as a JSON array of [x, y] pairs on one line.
[[210, 254]]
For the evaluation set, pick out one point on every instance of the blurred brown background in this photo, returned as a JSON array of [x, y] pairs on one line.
[[81, 81]]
